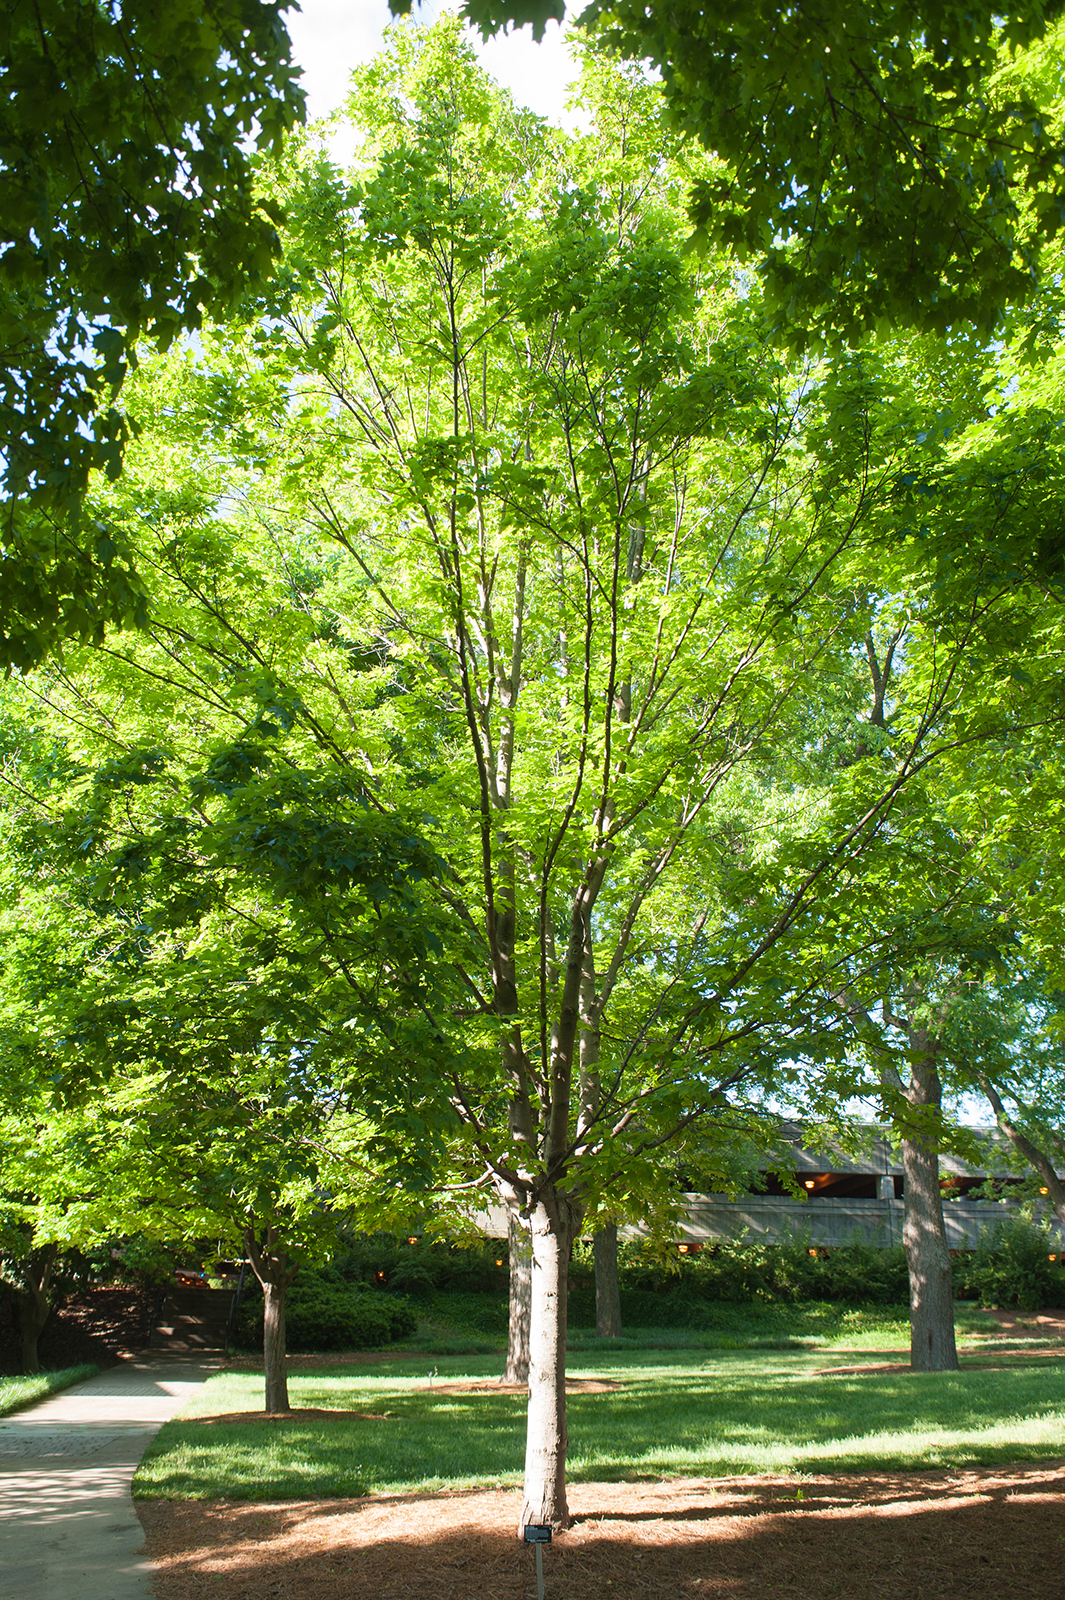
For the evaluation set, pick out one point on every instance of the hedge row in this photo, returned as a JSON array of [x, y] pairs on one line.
[[1016, 1263], [366, 1298], [323, 1312]]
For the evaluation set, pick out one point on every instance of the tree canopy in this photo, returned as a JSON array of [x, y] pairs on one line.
[[127, 213], [563, 709]]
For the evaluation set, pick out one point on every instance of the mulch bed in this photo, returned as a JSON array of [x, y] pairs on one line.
[[977, 1533], [967, 1366], [1027, 1325]]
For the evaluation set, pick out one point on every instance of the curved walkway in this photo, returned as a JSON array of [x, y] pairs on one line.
[[68, 1530]]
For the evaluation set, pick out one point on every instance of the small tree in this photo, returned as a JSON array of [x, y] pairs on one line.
[[519, 542], [579, 531]]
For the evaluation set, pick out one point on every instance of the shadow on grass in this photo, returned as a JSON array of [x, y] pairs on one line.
[[753, 1417]]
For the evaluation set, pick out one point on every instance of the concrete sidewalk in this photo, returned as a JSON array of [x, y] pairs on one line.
[[68, 1530]]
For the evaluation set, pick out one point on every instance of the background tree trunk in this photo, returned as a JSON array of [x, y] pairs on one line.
[[607, 1289], [34, 1303], [1037, 1158], [924, 1235], [520, 1248], [275, 1360], [275, 1270], [554, 1223]]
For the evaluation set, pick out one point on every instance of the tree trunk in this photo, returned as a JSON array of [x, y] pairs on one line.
[[607, 1289], [924, 1235], [554, 1223], [34, 1304], [517, 1368], [1037, 1158], [275, 1270], [275, 1359]]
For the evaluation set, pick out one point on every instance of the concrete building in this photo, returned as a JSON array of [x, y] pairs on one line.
[[847, 1197], [855, 1197]]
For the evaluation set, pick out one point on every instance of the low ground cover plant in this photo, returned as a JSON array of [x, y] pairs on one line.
[[739, 1412], [15, 1393]]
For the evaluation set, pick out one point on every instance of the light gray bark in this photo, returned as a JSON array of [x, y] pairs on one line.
[[554, 1223], [520, 1249], [607, 1289]]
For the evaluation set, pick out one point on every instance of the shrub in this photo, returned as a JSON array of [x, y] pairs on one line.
[[410, 1280], [322, 1312], [744, 1269], [873, 1274], [487, 1314], [1011, 1266], [382, 1261]]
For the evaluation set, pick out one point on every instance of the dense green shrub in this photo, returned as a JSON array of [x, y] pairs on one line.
[[412, 1280], [480, 1313], [1011, 1267], [661, 1288], [383, 1261], [323, 1312]]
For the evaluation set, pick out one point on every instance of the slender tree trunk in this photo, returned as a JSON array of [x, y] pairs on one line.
[[924, 1234], [275, 1270], [1039, 1159], [555, 1221], [34, 1303], [275, 1358], [517, 1368], [607, 1289]]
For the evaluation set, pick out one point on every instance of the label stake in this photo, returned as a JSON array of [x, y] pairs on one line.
[[537, 1535]]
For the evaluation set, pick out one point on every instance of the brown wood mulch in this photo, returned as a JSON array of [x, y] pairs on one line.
[[903, 1366], [1025, 1325], [966, 1534]]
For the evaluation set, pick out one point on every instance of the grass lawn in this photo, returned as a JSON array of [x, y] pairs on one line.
[[455, 1324], [678, 1414], [18, 1392], [816, 1325]]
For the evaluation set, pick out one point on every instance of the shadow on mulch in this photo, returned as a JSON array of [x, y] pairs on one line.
[[977, 1533]]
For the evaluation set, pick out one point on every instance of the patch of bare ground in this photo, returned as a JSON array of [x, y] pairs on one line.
[[1028, 1325], [967, 1366], [970, 1534]]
